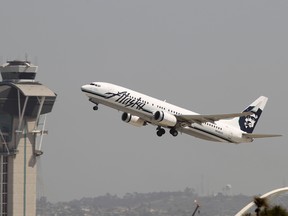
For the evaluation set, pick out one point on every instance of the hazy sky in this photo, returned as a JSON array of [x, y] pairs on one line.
[[208, 56]]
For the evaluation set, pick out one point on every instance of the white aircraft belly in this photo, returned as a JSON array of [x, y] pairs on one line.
[[201, 134]]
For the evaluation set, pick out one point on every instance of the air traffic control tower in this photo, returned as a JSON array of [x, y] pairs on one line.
[[23, 105]]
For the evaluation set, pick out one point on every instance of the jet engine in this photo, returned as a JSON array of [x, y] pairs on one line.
[[166, 119], [133, 120]]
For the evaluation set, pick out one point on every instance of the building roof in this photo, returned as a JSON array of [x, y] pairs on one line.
[[31, 89], [30, 93]]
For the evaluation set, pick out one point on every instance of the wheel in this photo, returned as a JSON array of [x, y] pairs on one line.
[[173, 132], [159, 133], [95, 108], [162, 131]]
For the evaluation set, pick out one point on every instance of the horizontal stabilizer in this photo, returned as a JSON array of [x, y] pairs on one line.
[[260, 135], [209, 118]]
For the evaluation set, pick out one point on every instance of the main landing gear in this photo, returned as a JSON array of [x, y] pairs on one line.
[[173, 132], [161, 131], [95, 107]]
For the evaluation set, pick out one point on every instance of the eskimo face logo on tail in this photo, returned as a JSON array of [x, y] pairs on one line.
[[248, 123]]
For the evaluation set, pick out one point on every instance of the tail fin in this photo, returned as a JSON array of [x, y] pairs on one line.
[[248, 123]]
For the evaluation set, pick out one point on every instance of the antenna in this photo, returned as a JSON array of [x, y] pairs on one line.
[[26, 57], [36, 60]]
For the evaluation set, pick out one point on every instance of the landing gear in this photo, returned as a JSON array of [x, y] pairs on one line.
[[160, 131], [173, 132], [96, 104]]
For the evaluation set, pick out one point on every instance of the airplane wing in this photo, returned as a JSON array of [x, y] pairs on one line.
[[260, 135], [208, 118]]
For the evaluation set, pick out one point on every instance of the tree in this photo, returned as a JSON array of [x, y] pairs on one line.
[[276, 211], [263, 208], [260, 203]]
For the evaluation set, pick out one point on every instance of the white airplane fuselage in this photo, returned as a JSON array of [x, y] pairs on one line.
[[141, 109]]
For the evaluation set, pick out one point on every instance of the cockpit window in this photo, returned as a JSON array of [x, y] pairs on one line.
[[95, 84]]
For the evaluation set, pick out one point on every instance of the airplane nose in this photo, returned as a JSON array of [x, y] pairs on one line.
[[84, 87]]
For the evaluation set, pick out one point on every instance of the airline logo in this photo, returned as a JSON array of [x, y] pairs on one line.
[[248, 123], [126, 99]]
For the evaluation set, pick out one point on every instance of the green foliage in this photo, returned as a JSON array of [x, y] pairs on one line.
[[261, 202], [275, 211], [263, 209]]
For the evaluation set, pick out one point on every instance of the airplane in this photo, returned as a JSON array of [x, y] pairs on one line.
[[140, 109]]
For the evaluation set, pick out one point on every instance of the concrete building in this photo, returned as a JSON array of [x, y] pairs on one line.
[[23, 103]]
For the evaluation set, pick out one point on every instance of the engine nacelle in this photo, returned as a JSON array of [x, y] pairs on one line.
[[133, 120], [166, 119]]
